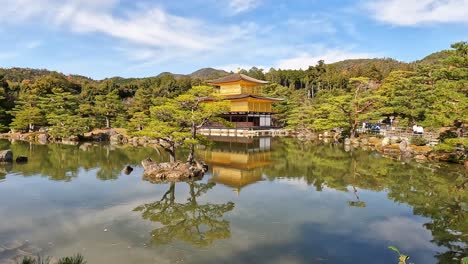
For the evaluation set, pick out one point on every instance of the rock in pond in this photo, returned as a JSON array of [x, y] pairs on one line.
[[43, 138], [404, 146], [21, 159], [127, 170], [116, 139], [347, 141], [420, 157], [172, 171], [6, 156], [386, 141]]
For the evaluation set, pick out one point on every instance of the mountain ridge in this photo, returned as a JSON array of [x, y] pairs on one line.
[[18, 74]]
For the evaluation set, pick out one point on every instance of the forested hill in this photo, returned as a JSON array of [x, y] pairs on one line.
[[353, 66], [435, 57], [358, 67], [70, 104], [17, 75]]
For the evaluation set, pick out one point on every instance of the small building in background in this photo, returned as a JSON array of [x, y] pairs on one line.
[[249, 109]]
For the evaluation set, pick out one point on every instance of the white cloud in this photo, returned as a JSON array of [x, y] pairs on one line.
[[304, 60], [240, 6], [151, 27], [415, 12]]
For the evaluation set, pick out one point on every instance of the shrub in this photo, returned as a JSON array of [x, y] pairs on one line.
[[443, 147], [418, 141], [452, 144], [447, 134], [457, 142]]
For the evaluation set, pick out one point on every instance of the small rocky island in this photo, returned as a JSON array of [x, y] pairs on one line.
[[172, 171]]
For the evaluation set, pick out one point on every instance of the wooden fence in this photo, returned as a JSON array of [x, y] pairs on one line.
[[403, 132]]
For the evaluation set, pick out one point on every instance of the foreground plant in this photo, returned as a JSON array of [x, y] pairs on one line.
[[401, 257], [77, 259]]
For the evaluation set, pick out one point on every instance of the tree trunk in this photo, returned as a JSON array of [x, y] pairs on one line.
[[353, 128], [172, 157], [107, 122], [191, 156]]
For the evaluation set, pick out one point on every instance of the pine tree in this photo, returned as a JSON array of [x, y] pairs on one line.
[[108, 106], [175, 122], [61, 112], [27, 115]]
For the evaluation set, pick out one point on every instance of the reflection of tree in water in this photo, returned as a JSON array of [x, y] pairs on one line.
[[357, 203], [61, 162], [197, 224], [436, 191]]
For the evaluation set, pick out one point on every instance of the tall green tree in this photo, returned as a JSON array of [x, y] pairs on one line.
[[3, 91], [408, 96], [175, 122], [27, 114], [450, 88], [107, 106], [61, 112], [345, 109]]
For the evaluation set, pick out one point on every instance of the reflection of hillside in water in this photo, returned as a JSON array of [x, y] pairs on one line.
[[237, 162]]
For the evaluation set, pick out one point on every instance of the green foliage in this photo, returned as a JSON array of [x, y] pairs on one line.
[[27, 114], [61, 113], [401, 257], [174, 122], [77, 259], [447, 134], [418, 141], [3, 104], [345, 109], [432, 92], [443, 147]]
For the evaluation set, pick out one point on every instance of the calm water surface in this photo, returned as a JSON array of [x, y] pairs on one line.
[[263, 201]]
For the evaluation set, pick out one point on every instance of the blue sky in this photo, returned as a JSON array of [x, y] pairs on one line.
[[137, 38]]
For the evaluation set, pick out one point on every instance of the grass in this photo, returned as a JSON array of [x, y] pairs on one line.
[[77, 259]]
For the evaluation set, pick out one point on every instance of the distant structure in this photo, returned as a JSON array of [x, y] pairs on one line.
[[249, 110]]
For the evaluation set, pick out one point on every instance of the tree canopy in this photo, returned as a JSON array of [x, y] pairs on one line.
[[431, 92]]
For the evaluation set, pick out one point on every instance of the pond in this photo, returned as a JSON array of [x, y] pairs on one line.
[[266, 200]]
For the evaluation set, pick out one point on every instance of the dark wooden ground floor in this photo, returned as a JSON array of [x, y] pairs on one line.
[[246, 120]]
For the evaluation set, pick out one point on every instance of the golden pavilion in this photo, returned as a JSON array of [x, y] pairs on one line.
[[248, 108]]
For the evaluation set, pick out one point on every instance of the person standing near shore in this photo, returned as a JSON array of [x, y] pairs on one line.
[[420, 130]]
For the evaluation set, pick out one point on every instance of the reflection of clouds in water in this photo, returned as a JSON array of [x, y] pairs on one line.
[[82, 230], [407, 233], [298, 183]]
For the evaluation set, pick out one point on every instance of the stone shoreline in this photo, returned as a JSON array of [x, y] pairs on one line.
[[393, 147], [112, 136]]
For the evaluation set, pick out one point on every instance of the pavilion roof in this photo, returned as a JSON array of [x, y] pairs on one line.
[[236, 77], [242, 96]]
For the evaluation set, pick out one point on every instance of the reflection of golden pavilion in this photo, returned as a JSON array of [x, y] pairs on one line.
[[238, 162]]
